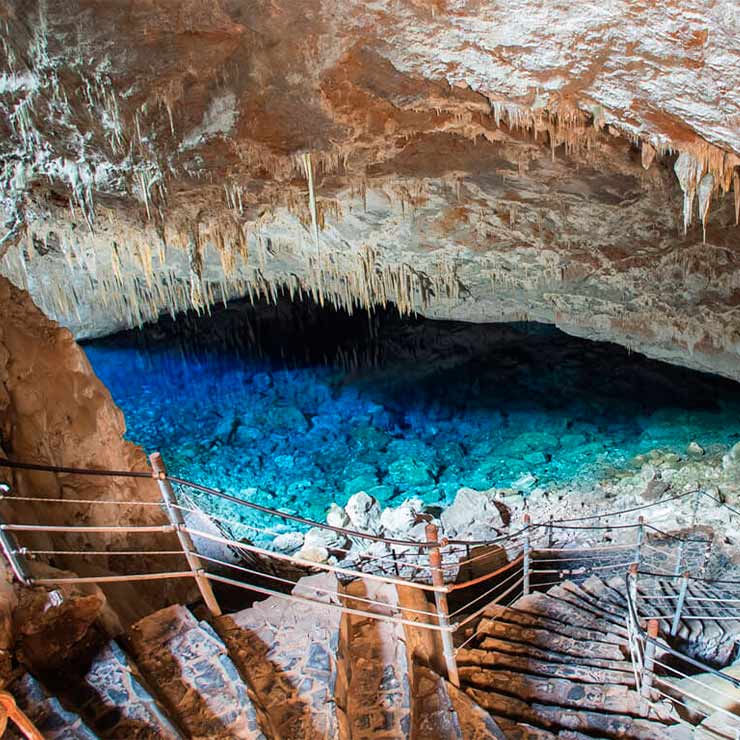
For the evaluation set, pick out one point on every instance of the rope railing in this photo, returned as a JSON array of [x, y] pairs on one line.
[[530, 554]]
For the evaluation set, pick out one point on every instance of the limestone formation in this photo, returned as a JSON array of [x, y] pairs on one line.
[[487, 162]]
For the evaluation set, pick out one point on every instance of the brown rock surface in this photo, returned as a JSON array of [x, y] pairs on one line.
[[54, 410]]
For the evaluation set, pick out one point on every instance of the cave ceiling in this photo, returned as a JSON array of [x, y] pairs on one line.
[[571, 163]]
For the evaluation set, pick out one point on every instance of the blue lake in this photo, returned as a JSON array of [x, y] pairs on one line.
[[296, 408]]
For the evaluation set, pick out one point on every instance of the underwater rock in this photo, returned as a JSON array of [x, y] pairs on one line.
[[525, 482], [409, 472], [695, 449], [364, 513], [732, 459]]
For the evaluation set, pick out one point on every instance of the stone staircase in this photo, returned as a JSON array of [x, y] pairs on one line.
[[553, 664], [556, 664]]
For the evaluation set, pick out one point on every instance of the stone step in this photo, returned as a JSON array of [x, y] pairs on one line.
[[545, 638], [114, 701], [592, 724], [433, 715], [374, 700], [286, 653], [547, 605], [551, 656], [475, 722], [47, 713], [493, 659], [525, 618], [198, 683], [521, 731], [617, 699], [605, 592], [573, 594]]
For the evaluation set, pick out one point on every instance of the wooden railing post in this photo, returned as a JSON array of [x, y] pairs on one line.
[[680, 603], [440, 600], [648, 664], [640, 539], [526, 557], [176, 518]]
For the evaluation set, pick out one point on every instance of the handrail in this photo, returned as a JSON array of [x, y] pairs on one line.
[[632, 607], [350, 533]]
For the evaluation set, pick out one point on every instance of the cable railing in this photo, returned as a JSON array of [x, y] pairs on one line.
[[475, 573], [701, 694]]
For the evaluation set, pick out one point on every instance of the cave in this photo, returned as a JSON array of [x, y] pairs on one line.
[[369, 369]]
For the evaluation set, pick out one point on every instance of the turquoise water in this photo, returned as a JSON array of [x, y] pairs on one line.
[[296, 408]]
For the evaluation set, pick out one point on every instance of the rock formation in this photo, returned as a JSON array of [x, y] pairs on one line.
[[484, 162], [55, 411]]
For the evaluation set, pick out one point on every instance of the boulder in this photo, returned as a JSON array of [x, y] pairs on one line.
[[364, 513], [337, 516], [400, 519], [313, 554], [471, 511], [324, 538], [288, 542]]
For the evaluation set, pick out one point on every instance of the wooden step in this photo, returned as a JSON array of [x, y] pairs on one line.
[[286, 652], [555, 718], [188, 665], [115, 702], [47, 713], [493, 659]]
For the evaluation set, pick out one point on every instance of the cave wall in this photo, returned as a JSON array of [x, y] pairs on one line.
[[571, 164], [55, 411]]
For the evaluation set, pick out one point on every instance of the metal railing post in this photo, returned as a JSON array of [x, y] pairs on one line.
[[679, 604], [443, 612], [10, 548], [648, 663], [176, 518], [682, 545], [707, 555], [550, 534], [632, 587], [640, 538], [526, 557]]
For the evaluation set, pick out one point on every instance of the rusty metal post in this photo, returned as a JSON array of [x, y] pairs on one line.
[[176, 518], [648, 663], [526, 557], [680, 603], [10, 549], [440, 599], [640, 539], [550, 534]]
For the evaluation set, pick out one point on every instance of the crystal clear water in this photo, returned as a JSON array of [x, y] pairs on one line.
[[294, 407]]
